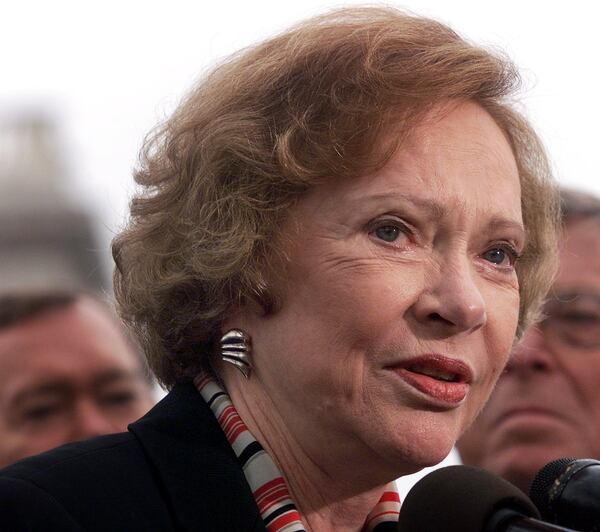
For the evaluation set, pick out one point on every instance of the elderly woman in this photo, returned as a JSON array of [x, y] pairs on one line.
[[339, 234]]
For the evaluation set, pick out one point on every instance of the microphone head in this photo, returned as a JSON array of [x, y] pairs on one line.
[[460, 498], [567, 492], [541, 486]]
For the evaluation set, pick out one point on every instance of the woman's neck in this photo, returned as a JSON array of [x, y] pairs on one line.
[[327, 499]]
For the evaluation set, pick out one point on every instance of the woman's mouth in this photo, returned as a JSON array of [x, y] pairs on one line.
[[444, 379]]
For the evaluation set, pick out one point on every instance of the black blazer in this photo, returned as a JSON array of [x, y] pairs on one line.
[[173, 470]]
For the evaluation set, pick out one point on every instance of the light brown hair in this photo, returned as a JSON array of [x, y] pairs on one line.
[[269, 123]]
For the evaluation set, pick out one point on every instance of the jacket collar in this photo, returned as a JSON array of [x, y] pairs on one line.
[[203, 482]]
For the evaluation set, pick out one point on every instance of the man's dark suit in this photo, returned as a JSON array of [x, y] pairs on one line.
[[173, 470]]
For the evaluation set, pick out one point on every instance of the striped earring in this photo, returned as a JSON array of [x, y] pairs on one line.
[[235, 349]]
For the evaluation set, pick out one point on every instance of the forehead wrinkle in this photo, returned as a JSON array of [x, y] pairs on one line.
[[499, 223], [493, 153], [433, 152], [435, 209], [429, 132]]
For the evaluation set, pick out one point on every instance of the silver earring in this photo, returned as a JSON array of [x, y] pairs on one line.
[[235, 349]]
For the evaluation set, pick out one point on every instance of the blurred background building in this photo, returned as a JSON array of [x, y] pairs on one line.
[[47, 239]]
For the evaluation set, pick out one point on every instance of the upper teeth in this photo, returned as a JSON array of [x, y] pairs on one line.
[[435, 373]]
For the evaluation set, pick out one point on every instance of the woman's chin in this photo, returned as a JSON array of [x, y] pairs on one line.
[[422, 458], [422, 450], [414, 463]]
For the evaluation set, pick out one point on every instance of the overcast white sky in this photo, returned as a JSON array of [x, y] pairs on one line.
[[108, 71]]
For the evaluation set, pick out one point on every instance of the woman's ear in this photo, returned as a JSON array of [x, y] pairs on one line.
[[243, 315]]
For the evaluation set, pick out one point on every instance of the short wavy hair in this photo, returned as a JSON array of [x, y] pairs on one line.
[[217, 178]]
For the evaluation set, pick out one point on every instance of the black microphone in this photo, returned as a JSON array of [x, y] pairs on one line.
[[468, 499], [567, 492]]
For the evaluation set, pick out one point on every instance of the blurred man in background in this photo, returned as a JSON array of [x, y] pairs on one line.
[[547, 404], [67, 372]]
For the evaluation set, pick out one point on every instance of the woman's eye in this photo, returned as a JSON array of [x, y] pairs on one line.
[[500, 256], [495, 256], [387, 233]]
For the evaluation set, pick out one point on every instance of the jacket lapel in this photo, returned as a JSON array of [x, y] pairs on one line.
[[202, 480]]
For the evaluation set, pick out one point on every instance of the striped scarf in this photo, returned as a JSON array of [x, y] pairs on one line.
[[270, 491]]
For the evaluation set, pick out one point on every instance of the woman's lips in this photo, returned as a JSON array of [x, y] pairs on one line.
[[442, 378]]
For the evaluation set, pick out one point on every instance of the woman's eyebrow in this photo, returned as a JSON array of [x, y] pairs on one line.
[[435, 209], [501, 223]]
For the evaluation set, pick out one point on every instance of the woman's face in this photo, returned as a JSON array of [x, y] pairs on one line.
[[399, 302]]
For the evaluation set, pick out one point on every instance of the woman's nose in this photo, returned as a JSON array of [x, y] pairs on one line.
[[453, 301]]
